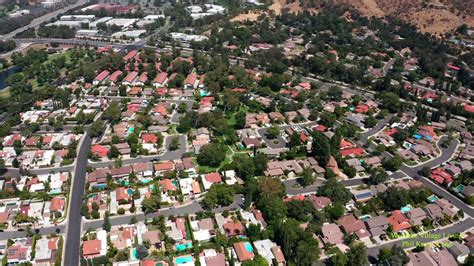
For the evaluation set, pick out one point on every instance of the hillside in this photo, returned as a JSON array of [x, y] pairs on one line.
[[434, 16]]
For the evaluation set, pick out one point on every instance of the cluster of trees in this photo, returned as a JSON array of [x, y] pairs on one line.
[[62, 32], [395, 198], [211, 154], [215, 121], [6, 46], [219, 195]]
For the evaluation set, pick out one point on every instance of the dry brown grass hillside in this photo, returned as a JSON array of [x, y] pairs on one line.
[[433, 16]]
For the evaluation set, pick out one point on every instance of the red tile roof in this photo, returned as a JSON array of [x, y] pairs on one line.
[[242, 252], [57, 204], [190, 79], [164, 166], [115, 76], [149, 138], [232, 228], [213, 177], [131, 77], [161, 77], [469, 108], [362, 108], [101, 77], [130, 55], [352, 152], [398, 221], [91, 247], [100, 150]]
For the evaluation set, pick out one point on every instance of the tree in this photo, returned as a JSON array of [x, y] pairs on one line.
[[335, 211], [152, 203], [114, 152], [335, 93], [426, 171], [182, 108], [240, 120], [339, 259], [219, 195], [174, 145], [260, 161], [142, 252], [393, 164], [370, 121], [244, 165], [297, 245], [257, 261], [335, 191], [390, 101], [321, 148], [377, 176], [211, 155], [106, 225], [97, 128], [394, 198], [357, 254], [307, 177], [300, 210], [273, 132]]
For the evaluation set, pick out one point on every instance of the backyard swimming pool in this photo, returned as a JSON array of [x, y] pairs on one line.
[[406, 209], [184, 246], [248, 246], [184, 259], [433, 198]]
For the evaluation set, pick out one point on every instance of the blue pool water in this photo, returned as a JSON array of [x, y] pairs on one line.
[[134, 254], [184, 246], [417, 136], [175, 183], [130, 191], [100, 186], [459, 188], [365, 217], [55, 191], [183, 260], [405, 209], [204, 93], [248, 247], [433, 198], [145, 180]]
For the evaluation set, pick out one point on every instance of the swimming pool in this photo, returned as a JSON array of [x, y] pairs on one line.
[[100, 186], [184, 259], [204, 93], [248, 247], [406, 209], [417, 136], [134, 254], [365, 217], [184, 246], [55, 191], [145, 180], [433, 198], [459, 188], [130, 191]]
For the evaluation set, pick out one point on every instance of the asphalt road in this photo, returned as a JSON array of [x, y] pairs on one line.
[[380, 124], [168, 155], [73, 235], [191, 208], [37, 21]]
